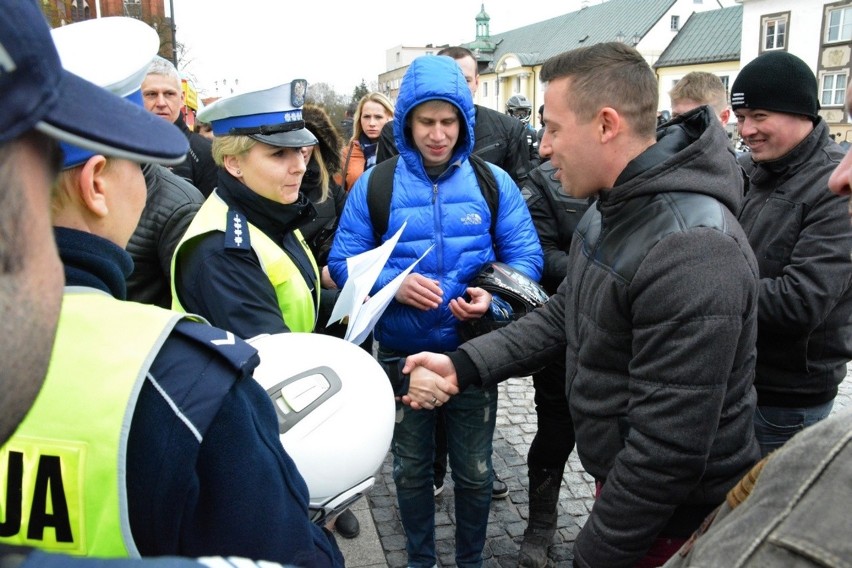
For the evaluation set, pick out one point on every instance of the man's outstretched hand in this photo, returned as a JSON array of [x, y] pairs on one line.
[[433, 380]]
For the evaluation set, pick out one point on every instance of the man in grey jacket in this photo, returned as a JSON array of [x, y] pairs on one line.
[[657, 317], [791, 509], [802, 239]]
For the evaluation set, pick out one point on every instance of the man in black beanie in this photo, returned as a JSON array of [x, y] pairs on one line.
[[802, 239]]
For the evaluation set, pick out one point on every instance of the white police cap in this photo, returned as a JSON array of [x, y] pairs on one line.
[[37, 93], [272, 116], [124, 48]]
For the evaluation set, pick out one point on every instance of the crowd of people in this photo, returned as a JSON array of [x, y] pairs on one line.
[[693, 324]]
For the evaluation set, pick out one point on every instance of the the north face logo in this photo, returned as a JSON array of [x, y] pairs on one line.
[[471, 219]]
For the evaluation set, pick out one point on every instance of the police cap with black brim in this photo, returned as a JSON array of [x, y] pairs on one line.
[[272, 116], [37, 93]]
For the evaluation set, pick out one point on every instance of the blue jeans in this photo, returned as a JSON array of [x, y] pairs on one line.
[[774, 425], [470, 419]]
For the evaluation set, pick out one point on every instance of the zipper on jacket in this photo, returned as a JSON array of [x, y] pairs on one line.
[[439, 245], [577, 292], [487, 148], [436, 216]]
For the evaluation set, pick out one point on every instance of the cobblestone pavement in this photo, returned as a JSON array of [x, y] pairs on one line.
[[516, 426]]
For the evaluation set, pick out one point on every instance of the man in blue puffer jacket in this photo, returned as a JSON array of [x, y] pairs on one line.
[[435, 190]]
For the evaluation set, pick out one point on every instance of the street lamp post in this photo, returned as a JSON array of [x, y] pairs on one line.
[[174, 40]]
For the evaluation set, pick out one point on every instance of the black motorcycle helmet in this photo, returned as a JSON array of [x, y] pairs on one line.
[[514, 295], [519, 107]]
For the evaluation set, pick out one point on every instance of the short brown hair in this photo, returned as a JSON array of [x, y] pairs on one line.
[[458, 52], [608, 75], [703, 88]]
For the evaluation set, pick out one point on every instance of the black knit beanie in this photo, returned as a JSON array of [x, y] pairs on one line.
[[776, 81]]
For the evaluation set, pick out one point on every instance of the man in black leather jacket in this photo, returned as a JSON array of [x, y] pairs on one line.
[[555, 215], [171, 204], [162, 95]]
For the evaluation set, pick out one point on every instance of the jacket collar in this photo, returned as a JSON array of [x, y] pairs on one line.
[[789, 163], [273, 218], [93, 262]]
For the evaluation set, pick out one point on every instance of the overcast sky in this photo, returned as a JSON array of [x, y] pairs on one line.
[[267, 42]]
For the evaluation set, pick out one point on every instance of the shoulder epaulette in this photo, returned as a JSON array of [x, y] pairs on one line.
[[236, 231]]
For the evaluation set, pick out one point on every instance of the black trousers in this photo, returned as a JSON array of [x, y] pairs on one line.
[[554, 438]]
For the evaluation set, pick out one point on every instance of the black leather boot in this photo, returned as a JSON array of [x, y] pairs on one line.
[[544, 499], [347, 524]]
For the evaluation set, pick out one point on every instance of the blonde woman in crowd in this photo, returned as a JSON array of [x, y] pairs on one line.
[[374, 110]]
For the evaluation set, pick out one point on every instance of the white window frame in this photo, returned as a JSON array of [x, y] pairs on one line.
[[831, 91], [777, 45], [843, 29], [675, 23]]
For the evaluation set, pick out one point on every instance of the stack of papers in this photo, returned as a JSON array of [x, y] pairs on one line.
[[364, 270]]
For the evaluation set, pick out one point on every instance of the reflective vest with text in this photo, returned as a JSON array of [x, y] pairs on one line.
[[63, 471]]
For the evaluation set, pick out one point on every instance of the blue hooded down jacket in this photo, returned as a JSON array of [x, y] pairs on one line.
[[450, 213]]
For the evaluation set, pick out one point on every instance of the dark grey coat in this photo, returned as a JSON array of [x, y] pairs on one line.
[[802, 239], [657, 319]]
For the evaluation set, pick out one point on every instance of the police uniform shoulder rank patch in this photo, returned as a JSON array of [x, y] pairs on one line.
[[236, 231]]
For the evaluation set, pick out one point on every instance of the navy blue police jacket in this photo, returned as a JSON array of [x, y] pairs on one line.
[[206, 472]]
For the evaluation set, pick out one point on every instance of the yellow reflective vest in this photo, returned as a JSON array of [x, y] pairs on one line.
[[62, 474], [298, 305]]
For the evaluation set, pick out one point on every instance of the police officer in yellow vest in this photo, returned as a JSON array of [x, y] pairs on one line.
[[243, 264], [149, 436]]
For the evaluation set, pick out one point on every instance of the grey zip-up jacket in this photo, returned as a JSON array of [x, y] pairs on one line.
[[802, 238], [657, 320]]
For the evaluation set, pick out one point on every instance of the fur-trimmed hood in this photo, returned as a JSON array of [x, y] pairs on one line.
[[330, 142]]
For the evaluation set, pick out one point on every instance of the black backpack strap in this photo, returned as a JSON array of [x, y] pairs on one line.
[[487, 185], [379, 190]]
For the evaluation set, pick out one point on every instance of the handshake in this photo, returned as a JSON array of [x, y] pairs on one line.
[[431, 380]]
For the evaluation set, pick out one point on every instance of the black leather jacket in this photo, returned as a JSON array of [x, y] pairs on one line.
[[555, 216], [198, 168], [171, 204]]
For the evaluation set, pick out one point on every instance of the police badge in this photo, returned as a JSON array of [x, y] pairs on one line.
[[298, 88]]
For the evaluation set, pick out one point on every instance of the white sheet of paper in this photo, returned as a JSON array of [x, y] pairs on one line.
[[361, 325], [364, 270]]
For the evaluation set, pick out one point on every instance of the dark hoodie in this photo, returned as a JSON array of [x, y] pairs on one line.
[[657, 319]]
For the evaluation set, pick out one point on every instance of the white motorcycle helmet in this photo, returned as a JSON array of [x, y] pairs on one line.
[[335, 411]]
